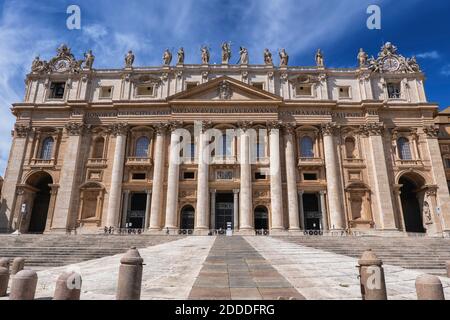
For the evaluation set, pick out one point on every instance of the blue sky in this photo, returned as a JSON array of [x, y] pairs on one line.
[[110, 28]]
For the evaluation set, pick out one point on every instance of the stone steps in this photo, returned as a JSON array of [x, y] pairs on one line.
[[410, 253], [59, 250]]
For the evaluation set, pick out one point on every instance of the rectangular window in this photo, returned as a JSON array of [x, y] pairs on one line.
[[260, 175], [258, 85], [191, 85], [57, 90], [260, 150], [344, 92], [105, 92], [146, 91], [224, 175], [303, 90], [394, 91], [188, 175], [139, 176], [310, 176], [447, 163]]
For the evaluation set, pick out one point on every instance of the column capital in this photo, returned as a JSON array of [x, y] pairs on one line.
[[372, 129], [236, 191], [174, 125], [161, 128], [431, 131], [21, 130], [289, 128], [212, 191], [75, 128], [245, 125], [274, 125], [148, 191], [119, 129], [328, 129], [323, 192], [300, 192]]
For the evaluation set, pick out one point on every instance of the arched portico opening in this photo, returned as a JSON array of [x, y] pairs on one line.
[[410, 196], [187, 218], [261, 218], [35, 218]]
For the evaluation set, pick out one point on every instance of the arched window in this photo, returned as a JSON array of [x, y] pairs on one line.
[[142, 147], [226, 145], [98, 148], [350, 147], [404, 149], [47, 148], [306, 147]]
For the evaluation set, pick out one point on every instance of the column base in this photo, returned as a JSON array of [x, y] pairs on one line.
[[201, 232], [244, 232]]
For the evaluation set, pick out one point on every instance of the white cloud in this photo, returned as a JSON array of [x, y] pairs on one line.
[[429, 55], [446, 70]]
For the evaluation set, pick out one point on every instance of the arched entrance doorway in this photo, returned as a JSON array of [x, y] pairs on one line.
[[38, 218], [261, 218], [412, 212], [187, 218]]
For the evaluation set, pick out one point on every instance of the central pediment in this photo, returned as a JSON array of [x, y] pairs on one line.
[[224, 89]]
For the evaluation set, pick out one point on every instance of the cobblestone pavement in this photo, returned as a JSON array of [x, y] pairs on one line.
[[235, 270], [318, 274]]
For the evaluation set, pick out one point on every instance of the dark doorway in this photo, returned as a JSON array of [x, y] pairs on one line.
[[187, 218], [224, 210], [410, 205], [261, 218], [136, 215], [41, 202], [311, 211]]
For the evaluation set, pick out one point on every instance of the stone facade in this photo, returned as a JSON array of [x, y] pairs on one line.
[[336, 149]]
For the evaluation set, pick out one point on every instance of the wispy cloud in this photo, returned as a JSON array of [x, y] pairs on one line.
[[429, 55], [446, 70]]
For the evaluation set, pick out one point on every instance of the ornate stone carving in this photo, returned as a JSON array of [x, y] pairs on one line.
[[119, 129], [205, 55], [74, 128], [245, 125], [147, 79], [372, 129], [179, 73], [174, 125], [270, 75], [225, 90], [205, 75], [268, 57], [284, 58], [319, 58], [289, 128], [307, 79], [161, 128], [284, 76], [64, 61], [167, 57], [164, 76], [89, 60], [328, 129], [39, 66], [362, 58], [274, 125], [244, 75], [21, 130], [180, 56], [205, 125], [431, 131], [390, 61], [243, 52], [226, 52], [129, 60]]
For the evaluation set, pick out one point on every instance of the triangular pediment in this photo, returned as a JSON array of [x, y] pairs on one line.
[[224, 89]]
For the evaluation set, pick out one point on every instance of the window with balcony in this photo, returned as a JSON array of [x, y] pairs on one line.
[[47, 148], [57, 90], [105, 92], [394, 90], [142, 145], [306, 147], [404, 149]]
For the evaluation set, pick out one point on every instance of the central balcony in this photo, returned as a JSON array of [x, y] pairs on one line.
[[409, 163], [96, 163], [43, 163]]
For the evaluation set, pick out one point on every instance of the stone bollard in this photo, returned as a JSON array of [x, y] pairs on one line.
[[68, 286], [371, 275], [429, 287], [23, 285], [4, 263], [447, 265], [17, 265], [4, 279], [130, 276]]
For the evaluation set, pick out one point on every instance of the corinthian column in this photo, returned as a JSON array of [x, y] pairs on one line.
[[202, 212], [382, 187], [333, 179], [173, 177], [276, 197], [246, 221], [291, 177], [120, 131], [158, 178]]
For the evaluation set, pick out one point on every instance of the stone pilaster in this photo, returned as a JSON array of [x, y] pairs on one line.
[[202, 212], [291, 179], [236, 209], [148, 204], [12, 176], [382, 189], [246, 221], [158, 179], [323, 208], [301, 210], [125, 202], [120, 131], [333, 179], [173, 177], [213, 209], [276, 197]]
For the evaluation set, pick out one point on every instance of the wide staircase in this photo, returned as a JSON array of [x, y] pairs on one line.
[[408, 252], [59, 250]]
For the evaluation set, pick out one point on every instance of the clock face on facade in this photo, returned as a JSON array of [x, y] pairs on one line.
[[62, 65], [391, 64]]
